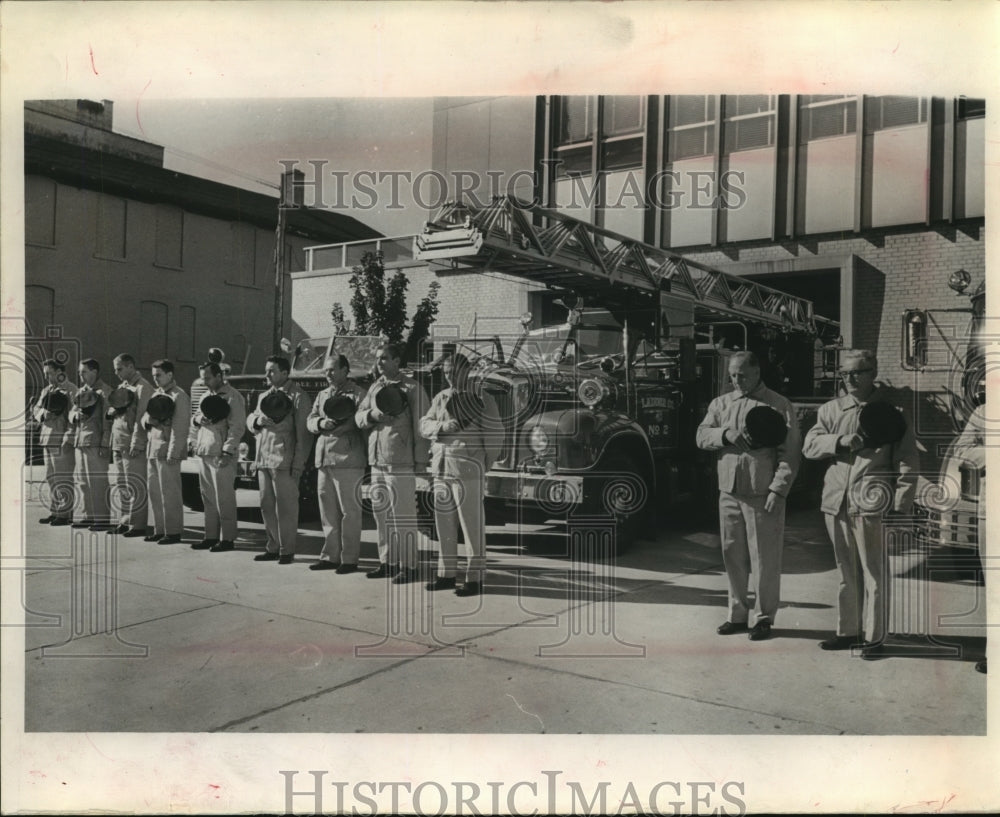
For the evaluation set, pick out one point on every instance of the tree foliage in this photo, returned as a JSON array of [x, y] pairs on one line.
[[379, 306], [339, 320], [425, 315]]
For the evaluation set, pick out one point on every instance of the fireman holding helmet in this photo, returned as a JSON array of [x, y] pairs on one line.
[[754, 480], [459, 424]]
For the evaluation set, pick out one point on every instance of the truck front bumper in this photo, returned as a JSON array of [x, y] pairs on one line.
[[556, 490], [957, 527]]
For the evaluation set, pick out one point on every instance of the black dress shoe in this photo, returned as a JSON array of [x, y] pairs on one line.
[[729, 627], [840, 642], [266, 557], [83, 523], [222, 547], [171, 539], [441, 583], [204, 544], [469, 589], [154, 537], [379, 572], [131, 533], [287, 559], [58, 521], [323, 564], [406, 575], [46, 521], [344, 569], [121, 529], [981, 666], [760, 631]]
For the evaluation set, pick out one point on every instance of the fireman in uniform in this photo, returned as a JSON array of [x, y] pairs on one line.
[[128, 449], [753, 485], [341, 457], [860, 485], [92, 440], [282, 449], [166, 446], [396, 452], [56, 442], [216, 441], [462, 451]]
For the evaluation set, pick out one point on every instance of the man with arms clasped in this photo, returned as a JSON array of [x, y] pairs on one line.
[[397, 452], [282, 450], [216, 442], [166, 446], [128, 449], [56, 442], [753, 485], [861, 484], [341, 457]]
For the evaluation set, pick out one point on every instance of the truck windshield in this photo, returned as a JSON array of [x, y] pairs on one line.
[[309, 355], [567, 345]]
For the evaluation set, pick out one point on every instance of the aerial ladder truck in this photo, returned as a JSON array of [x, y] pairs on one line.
[[598, 414]]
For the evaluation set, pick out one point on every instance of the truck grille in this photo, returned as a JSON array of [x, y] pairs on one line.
[[505, 405]]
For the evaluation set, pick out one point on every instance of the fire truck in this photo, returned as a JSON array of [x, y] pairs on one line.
[[955, 341], [599, 413]]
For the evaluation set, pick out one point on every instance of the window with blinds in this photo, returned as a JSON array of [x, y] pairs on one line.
[[691, 127], [825, 116], [623, 123], [749, 122], [885, 112]]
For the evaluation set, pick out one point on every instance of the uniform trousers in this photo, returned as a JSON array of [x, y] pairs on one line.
[[218, 494], [340, 513], [752, 543], [130, 480], [279, 505], [91, 475], [859, 548], [60, 467], [394, 504], [164, 479], [460, 501]]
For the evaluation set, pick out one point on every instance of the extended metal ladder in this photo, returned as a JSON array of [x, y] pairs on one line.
[[528, 241]]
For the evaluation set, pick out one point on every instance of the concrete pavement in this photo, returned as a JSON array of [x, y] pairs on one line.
[[130, 636]]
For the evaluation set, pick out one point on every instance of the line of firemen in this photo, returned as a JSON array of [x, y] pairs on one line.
[[393, 428], [396, 431]]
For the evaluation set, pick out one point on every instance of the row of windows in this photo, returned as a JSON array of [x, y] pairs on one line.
[[251, 252], [748, 122], [915, 160]]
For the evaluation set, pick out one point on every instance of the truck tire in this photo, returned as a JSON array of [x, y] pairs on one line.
[[620, 492]]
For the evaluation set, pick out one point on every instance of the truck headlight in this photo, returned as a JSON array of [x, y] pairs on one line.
[[592, 392], [538, 440], [522, 392]]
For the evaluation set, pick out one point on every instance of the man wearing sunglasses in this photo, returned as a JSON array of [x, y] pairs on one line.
[[864, 481]]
